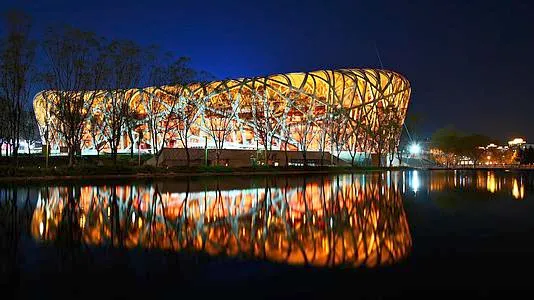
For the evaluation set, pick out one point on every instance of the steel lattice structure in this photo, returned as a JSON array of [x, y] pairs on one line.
[[298, 111]]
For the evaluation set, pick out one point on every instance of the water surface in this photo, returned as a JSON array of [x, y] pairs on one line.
[[369, 234]]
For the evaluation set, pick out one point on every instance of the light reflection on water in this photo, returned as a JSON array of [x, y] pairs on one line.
[[506, 183], [330, 221], [337, 220], [415, 181]]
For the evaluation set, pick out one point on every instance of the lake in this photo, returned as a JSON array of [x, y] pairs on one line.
[[371, 234]]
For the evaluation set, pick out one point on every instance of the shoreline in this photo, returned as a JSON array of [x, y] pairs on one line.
[[163, 174], [507, 168], [167, 174]]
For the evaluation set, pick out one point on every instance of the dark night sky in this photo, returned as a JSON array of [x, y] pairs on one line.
[[470, 63]]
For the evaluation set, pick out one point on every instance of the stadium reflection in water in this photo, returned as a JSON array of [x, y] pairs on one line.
[[346, 220]]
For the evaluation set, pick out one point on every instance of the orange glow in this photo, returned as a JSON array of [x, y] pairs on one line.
[[518, 189], [339, 221], [488, 181], [491, 184], [295, 109]]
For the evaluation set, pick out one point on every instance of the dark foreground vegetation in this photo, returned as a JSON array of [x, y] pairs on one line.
[[105, 166]]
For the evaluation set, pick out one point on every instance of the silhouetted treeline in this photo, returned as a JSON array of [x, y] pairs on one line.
[[526, 155], [451, 145], [77, 67]]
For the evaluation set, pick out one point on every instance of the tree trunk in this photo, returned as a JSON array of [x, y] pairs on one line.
[[71, 156], [266, 155], [112, 152], [188, 156], [156, 155], [379, 157], [130, 136], [15, 149], [114, 149], [14, 153], [287, 158]]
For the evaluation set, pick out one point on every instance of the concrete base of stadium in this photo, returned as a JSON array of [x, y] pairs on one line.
[[171, 157]]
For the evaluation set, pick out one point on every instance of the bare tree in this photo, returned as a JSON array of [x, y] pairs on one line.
[[132, 123], [184, 117], [4, 130], [156, 114], [188, 114], [186, 102], [264, 116], [123, 62], [287, 137], [97, 138], [305, 131], [151, 73], [220, 117], [46, 134], [384, 131], [401, 150], [360, 132], [378, 134], [339, 130], [325, 125], [74, 78], [393, 126], [29, 128], [17, 52]]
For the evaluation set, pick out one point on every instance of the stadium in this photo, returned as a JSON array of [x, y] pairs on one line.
[[337, 112]]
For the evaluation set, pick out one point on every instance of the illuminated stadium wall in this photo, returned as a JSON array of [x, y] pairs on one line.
[[314, 111]]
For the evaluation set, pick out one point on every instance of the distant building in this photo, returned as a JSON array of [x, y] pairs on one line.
[[516, 142], [25, 147]]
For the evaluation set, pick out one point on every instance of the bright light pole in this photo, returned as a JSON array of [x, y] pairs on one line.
[[414, 149]]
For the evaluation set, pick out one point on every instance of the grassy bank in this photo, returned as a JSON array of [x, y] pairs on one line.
[[33, 169]]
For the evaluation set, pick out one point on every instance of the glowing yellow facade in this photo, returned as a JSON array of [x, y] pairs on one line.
[[295, 111]]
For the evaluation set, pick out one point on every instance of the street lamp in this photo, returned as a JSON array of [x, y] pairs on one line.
[[414, 149]]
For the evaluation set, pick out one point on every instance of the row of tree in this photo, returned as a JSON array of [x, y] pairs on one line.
[[76, 69], [450, 146], [17, 72], [87, 82], [526, 156]]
